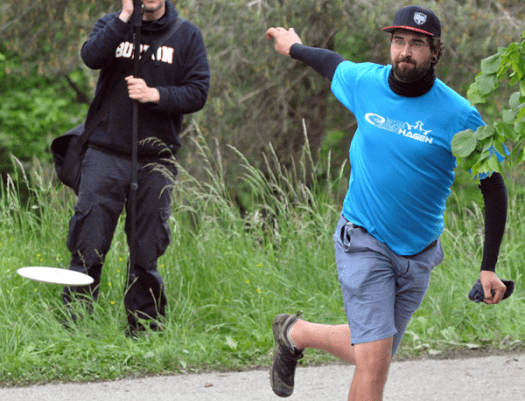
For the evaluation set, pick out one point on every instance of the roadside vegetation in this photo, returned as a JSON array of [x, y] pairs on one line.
[[228, 273]]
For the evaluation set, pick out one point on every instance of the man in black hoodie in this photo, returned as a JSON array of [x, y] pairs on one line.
[[173, 83]]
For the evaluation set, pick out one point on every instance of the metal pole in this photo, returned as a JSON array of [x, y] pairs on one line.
[[137, 24]]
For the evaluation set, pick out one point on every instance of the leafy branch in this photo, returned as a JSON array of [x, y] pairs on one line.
[[475, 150]]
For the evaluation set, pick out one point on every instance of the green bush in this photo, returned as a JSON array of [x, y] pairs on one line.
[[33, 110], [473, 149]]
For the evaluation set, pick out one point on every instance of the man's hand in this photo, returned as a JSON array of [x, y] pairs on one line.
[[127, 10], [490, 281], [138, 90], [284, 39]]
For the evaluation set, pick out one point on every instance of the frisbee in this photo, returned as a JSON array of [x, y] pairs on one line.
[[54, 275]]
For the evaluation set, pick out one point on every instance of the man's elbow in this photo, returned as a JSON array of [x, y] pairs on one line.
[[200, 97]]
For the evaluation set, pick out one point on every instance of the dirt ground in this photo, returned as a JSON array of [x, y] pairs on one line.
[[496, 377]]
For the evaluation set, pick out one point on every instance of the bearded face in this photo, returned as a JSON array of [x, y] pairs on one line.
[[411, 55]]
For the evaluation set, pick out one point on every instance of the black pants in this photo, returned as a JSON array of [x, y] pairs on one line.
[[103, 194]]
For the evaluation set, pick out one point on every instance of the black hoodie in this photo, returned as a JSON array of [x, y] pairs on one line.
[[181, 75]]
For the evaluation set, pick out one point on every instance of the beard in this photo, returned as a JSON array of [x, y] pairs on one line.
[[410, 71], [152, 9]]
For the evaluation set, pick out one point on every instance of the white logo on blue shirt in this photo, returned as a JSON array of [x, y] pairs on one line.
[[410, 131]]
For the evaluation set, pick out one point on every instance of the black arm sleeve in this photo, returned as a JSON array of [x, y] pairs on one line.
[[495, 196], [324, 61]]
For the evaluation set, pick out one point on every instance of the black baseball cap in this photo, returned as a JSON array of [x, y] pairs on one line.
[[417, 19]]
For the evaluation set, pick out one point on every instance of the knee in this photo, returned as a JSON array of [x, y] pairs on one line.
[[373, 359]]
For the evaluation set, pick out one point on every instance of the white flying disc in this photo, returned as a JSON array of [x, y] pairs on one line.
[[54, 275]]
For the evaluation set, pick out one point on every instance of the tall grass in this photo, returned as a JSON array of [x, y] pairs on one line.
[[227, 274]]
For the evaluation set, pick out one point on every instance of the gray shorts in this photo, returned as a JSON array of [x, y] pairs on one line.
[[381, 290]]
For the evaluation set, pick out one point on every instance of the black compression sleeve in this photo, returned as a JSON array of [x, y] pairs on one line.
[[324, 61], [495, 196]]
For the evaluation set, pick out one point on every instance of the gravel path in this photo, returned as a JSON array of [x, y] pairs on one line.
[[497, 377]]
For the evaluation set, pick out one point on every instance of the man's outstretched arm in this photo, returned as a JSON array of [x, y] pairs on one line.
[[284, 39], [288, 43]]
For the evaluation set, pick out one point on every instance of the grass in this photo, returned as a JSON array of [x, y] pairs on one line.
[[227, 274]]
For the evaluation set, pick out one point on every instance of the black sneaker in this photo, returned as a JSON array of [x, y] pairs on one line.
[[285, 356]]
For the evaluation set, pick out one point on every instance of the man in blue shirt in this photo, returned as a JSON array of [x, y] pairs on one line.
[[387, 239]]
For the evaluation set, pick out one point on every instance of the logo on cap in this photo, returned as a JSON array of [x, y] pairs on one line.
[[420, 18]]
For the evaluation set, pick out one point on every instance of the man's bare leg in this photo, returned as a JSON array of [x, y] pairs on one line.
[[372, 359], [332, 339], [371, 370]]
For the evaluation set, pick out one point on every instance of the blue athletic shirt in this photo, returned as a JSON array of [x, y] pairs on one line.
[[401, 157]]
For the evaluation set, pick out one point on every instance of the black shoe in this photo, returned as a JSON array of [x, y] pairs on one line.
[[285, 356]]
